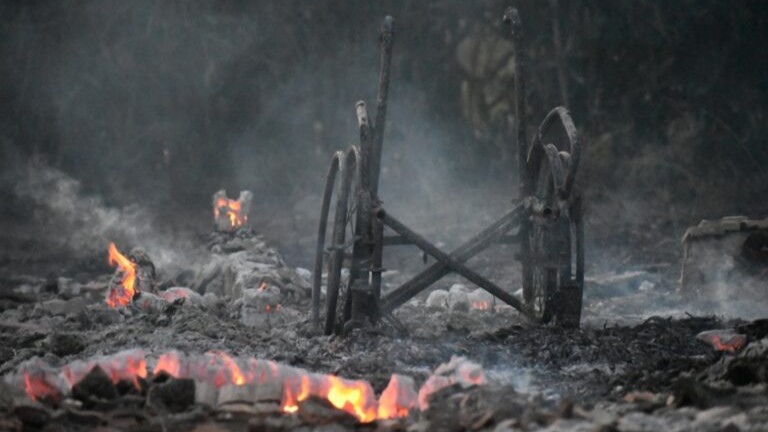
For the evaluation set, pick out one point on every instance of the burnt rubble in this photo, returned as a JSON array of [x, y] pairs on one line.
[[646, 376]]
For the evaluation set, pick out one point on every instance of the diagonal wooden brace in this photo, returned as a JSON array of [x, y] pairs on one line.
[[452, 263], [433, 273]]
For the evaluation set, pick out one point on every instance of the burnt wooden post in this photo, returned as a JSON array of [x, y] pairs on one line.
[[386, 40], [512, 18], [369, 231]]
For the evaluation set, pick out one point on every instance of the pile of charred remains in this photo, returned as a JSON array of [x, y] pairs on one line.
[[693, 374]]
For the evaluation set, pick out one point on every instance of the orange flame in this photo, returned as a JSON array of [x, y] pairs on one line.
[[236, 376], [482, 305], [396, 400], [169, 363], [121, 297], [290, 403], [232, 209], [354, 397], [126, 365]]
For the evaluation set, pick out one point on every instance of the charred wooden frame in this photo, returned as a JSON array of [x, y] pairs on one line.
[[548, 216]]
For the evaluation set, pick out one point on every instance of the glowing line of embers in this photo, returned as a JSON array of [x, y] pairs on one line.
[[219, 370]]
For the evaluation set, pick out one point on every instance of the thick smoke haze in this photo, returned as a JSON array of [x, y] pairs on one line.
[[140, 110], [85, 225]]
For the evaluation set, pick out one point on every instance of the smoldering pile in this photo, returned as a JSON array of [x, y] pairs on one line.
[[215, 386]]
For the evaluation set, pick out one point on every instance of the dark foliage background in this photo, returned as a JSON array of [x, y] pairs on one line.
[[164, 102]]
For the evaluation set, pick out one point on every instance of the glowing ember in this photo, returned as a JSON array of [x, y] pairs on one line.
[[38, 386], [723, 340], [127, 365], [122, 295], [169, 363], [731, 345], [481, 305], [219, 369]]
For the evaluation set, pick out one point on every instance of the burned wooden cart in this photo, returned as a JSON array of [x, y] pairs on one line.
[[546, 218]]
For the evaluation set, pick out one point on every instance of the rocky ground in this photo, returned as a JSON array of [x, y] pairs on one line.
[[635, 365]]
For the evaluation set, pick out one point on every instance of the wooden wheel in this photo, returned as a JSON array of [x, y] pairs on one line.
[[548, 243], [341, 271], [321, 253], [553, 268]]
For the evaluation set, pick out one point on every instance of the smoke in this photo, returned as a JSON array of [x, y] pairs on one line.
[[84, 225]]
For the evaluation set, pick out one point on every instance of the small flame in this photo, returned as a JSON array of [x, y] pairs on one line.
[[482, 305], [169, 363], [236, 376], [354, 397], [290, 403], [121, 297], [397, 399], [232, 209], [127, 365]]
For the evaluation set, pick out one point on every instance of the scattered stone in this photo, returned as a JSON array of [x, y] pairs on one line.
[[33, 416], [438, 298], [458, 371], [95, 387], [191, 298], [65, 307], [304, 273], [68, 288], [458, 298], [174, 395], [65, 344]]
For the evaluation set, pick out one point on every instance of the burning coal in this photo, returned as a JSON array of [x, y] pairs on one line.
[[228, 214], [219, 371]]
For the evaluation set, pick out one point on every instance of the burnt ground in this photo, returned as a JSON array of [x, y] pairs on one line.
[[634, 365]]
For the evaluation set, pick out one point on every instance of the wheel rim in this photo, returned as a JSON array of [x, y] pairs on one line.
[[321, 254], [344, 305], [546, 242], [337, 312]]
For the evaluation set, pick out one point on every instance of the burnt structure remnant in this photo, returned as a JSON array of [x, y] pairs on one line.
[[725, 258], [547, 213]]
